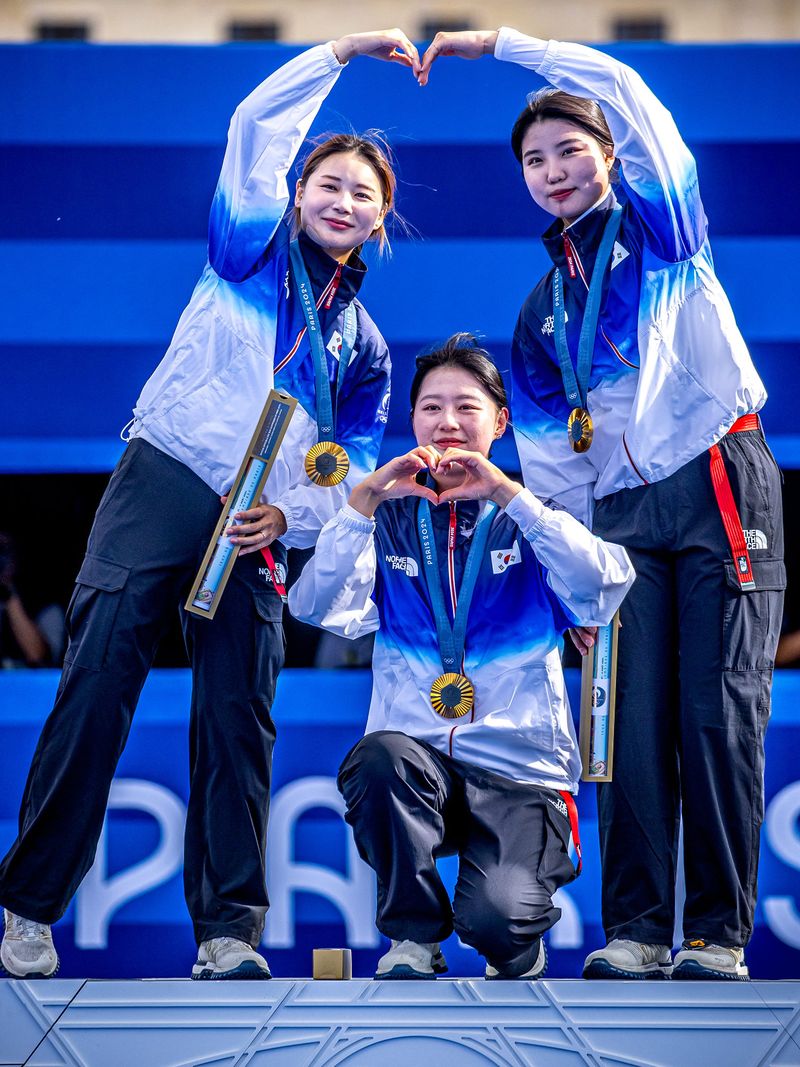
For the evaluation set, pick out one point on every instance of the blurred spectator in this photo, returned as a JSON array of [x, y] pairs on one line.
[[26, 640]]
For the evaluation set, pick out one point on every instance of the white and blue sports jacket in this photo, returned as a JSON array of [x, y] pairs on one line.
[[542, 572], [671, 372], [244, 320]]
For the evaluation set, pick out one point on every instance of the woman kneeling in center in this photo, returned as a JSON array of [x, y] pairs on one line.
[[469, 581]]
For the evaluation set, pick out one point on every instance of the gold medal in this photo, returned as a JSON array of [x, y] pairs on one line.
[[452, 696], [580, 429], [327, 463]]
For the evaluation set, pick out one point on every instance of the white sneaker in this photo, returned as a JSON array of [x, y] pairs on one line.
[[629, 959], [27, 950], [408, 959], [535, 972], [226, 957], [700, 960]]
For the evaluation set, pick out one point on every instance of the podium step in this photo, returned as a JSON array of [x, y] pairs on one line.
[[360, 1023]]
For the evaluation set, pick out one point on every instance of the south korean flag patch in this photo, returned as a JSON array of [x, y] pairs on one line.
[[335, 345], [504, 558], [618, 254]]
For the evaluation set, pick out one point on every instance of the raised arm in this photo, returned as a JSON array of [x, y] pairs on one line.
[[265, 134], [264, 137], [658, 170]]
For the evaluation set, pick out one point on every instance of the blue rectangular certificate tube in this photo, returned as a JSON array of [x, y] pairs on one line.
[[252, 477], [246, 496], [598, 695], [601, 693]]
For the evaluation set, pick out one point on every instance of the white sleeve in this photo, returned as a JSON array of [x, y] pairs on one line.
[[265, 134], [335, 589], [658, 170], [589, 576]]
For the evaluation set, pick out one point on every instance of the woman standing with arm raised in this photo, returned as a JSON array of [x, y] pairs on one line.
[[634, 403], [246, 328]]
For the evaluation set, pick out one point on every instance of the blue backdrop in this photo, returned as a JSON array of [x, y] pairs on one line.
[[109, 157], [129, 918]]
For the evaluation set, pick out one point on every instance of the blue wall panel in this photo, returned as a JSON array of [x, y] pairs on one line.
[[131, 921], [108, 158]]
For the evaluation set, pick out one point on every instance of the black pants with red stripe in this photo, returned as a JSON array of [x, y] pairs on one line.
[[148, 539], [693, 699], [408, 804]]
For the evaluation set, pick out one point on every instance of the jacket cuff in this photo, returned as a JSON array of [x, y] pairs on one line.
[[335, 63], [515, 47], [528, 512], [353, 520], [288, 512]]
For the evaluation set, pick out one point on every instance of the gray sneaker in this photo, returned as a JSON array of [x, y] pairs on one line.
[[702, 961], [227, 957], [629, 959], [538, 969], [410, 959], [27, 950]]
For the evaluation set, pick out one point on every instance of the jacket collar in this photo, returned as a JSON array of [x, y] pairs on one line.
[[321, 267], [584, 234]]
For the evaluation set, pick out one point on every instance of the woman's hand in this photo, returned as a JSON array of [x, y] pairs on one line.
[[391, 45], [256, 528], [467, 44], [394, 479], [583, 637], [482, 479]]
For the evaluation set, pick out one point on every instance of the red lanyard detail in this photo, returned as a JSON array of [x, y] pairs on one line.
[[570, 254], [451, 566], [452, 532], [277, 585], [334, 287], [287, 358], [730, 520], [572, 814]]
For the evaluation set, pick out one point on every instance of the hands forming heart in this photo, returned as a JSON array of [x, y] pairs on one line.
[[457, 474], [393, 46]]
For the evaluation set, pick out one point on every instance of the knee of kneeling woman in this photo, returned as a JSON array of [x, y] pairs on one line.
[[376, 759], [504, 924]]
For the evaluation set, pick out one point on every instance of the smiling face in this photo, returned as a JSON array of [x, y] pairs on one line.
[[453, 411], [564, 167], [340, 204]]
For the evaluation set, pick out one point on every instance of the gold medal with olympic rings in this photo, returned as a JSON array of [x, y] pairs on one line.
[[327, 463], [580, 429], [452, 695]]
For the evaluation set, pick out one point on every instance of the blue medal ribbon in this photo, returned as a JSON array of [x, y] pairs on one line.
[[452, 637], [326, 422], [576, 386]]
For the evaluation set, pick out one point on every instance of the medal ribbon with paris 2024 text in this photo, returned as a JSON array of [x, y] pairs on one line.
[[326, 453], [576, 380], [452, 636]]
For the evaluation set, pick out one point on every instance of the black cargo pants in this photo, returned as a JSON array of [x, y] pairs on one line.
[[148, 539], [408, 804], [693, 699]]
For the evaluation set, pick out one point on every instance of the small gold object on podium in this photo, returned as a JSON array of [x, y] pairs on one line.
[[221, 553], [598, 704], [333, 964]]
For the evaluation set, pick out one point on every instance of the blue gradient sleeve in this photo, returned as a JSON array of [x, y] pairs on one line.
[[659, 171], [265, 134]]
